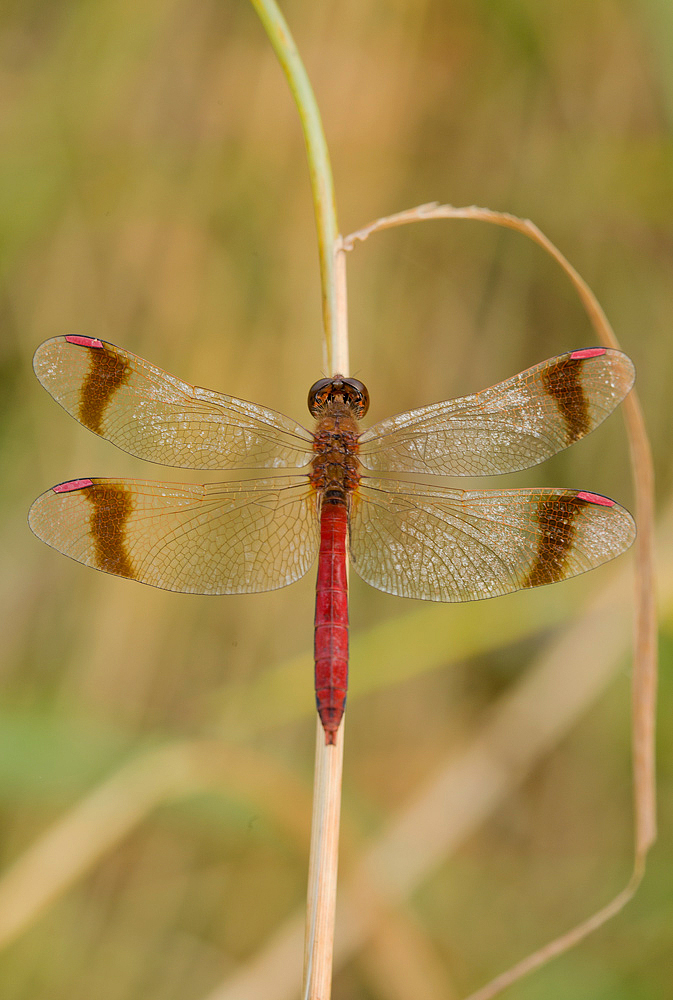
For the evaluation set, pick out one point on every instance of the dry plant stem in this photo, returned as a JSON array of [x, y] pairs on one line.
[[340, 349], [645, 649], [643, 475], [324, 853], [321, 897], [323, 865], [559, 944]]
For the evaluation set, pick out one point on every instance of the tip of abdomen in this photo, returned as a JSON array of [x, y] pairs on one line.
[[331, 716]]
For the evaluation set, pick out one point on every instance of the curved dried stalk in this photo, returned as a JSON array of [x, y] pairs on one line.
[[645, 647]]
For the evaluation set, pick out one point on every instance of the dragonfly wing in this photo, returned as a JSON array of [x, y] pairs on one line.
[[456, 545], [160, 418], [226, 538], [508, 427]]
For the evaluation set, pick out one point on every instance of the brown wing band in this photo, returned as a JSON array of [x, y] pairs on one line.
[[562, 383], [555, 518], [108, 371], [111, 507]]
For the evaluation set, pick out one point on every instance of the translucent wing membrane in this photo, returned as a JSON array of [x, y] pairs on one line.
[[228, 538], [454, 545], [406, 539], [510, 426], [159, 418]]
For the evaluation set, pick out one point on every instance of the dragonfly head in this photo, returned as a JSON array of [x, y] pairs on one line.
[[349, 391]]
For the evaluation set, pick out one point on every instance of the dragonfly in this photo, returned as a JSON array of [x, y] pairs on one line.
[[340, 501]]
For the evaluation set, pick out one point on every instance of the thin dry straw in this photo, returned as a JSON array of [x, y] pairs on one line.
[[324, 852], [323, 862], [645, 639], [323, 866]]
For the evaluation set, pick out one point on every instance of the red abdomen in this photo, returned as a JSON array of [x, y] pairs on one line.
[[331, 619]]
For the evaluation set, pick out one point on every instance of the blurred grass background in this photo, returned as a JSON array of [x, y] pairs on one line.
[[153, 192]]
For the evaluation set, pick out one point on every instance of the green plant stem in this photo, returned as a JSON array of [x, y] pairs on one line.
[[320, 170]]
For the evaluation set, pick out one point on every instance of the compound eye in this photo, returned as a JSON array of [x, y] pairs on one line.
[[318, 395], [358, 397], [351, 391]]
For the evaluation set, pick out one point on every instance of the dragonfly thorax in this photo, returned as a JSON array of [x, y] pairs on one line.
[[336, 467]]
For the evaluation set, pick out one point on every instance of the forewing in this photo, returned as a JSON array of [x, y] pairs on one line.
[[510, 426], [227, 538], [455, 545], [160, 418]]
